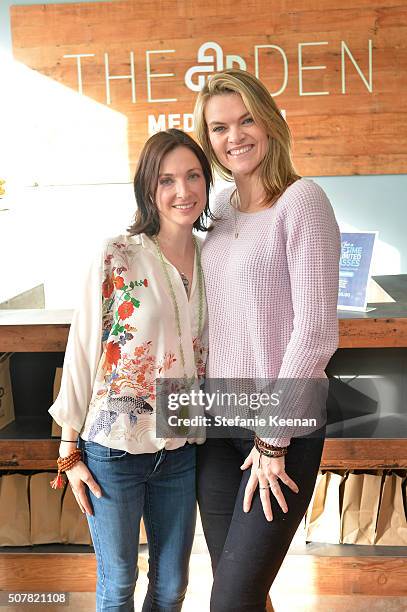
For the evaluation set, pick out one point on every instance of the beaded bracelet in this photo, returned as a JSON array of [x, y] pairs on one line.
[[268, 450], [268, 446], [272, 454], [64, 464]]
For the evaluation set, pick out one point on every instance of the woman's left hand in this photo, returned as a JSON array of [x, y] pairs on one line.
[[265, 473]]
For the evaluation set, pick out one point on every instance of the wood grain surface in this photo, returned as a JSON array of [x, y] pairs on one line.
[[338, 574], [354, 333], [358, 127]]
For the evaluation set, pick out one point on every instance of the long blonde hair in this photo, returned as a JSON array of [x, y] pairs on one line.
[[277, 170]]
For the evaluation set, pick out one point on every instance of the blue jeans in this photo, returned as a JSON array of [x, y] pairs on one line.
[[161, 488]]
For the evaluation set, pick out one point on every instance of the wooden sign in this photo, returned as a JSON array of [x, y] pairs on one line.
[[338, 70]]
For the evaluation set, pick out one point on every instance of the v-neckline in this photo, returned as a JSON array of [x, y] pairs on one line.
[[194, 271]]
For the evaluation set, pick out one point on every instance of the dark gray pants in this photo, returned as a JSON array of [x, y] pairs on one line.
[[246, 550]]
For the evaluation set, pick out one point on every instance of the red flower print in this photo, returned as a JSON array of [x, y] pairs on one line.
[[118, 282], [112, 353], [107, 287], [169, 360], [145, 282], [139, 351], [125, 310]]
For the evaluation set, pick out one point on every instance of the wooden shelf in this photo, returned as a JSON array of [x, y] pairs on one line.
[[364, 454], [322, 569], [36, 455], [47, 330], [42, 571], [53, 567], [46, 338], [383, 327], [340, 454], [26, 444], [320, 549], [344, 569], [49, 549], [34, 330], [319, 568], [372, 333]]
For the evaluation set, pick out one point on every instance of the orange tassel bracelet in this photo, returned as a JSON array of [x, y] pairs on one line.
[[64, 464]]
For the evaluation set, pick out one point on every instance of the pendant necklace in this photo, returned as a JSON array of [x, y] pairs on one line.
[[185, 281], [234, 206], [235, 219]]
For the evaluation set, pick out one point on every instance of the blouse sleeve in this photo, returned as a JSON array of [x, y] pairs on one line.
[[82, 353], [313, 250]]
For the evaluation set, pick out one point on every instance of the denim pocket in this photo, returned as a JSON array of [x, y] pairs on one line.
[[98, 452]]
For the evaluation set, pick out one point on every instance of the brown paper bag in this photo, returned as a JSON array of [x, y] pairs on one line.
[[391, 527], [56, 430], [45, 504], [6, 395], [315, 494], [74, 526], [324, 519], [143, 535], [315, 501], [14, 511], [361, 499]]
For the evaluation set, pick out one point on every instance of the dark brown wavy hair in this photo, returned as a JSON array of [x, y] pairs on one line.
[[146, 219]]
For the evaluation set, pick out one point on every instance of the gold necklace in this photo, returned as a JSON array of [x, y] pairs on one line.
[[175, 303]]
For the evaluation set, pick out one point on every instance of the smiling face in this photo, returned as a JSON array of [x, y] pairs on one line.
[[181, 190], [238, 143]]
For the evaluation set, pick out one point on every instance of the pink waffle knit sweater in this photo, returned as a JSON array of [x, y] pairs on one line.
[[272, 292]]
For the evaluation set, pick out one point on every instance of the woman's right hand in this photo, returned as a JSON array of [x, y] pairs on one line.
[[79, 478]]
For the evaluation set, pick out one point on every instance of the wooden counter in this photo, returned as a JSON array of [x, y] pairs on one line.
[[23, 447]]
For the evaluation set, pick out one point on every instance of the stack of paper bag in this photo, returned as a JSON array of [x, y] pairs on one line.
[[360, 506], [74, 526], [323, 522], [14, 511], [391, 527], [143, 535], [45, 508]]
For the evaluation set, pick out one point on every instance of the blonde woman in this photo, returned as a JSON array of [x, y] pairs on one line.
[[271, 273]]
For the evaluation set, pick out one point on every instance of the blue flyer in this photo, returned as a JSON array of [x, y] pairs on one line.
[[354, 269]]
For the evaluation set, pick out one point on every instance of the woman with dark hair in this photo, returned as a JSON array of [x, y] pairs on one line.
[[271, 270], [143, 317]]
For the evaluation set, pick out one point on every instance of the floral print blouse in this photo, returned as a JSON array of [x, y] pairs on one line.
[[123, 338]]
